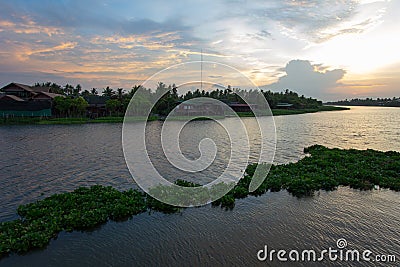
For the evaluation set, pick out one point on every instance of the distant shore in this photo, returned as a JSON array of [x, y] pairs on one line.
[[364, 105], [282, 112], [67, 121]]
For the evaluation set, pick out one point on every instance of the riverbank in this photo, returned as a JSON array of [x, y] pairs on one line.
[[66, 121], [282, 112], [85, 208]]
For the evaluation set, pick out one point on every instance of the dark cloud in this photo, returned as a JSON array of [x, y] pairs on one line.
[[305, 78], [92, 18], [218, 86], [59, 13], [31, 78], [261, 35], [143, 26], [99, 38]]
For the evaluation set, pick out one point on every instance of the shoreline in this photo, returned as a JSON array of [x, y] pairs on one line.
[[70, 121]]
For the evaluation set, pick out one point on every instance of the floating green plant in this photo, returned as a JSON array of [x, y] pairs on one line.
[[85, 208]]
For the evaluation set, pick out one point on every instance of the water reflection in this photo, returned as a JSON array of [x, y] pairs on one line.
[[50, 159]]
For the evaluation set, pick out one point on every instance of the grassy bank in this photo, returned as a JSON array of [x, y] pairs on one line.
[[85, 208], [281, 112], [66, 121]]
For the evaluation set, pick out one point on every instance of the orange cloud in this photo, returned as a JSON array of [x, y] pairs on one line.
[[28, 26], [150, 42], [23, 53]]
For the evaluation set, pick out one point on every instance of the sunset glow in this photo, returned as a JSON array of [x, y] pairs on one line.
[[343, 48]]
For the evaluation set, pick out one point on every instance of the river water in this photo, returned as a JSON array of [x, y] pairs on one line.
[[38, 161]]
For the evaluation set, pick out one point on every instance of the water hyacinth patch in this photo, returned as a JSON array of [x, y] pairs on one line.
[[86, 208], [81, 209], [324, 169]]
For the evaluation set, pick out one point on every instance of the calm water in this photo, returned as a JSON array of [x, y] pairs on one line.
[[44, 160]]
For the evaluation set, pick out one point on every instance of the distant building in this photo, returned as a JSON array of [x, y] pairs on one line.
[[45, 96], [10, 98], [20, 100], [23, 91], [237, 107], [198, 108], [284, 105], [96, 106]]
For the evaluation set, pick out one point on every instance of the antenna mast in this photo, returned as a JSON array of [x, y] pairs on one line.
[[201, 71]]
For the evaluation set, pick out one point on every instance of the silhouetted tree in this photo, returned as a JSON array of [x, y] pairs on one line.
[[108, 92]]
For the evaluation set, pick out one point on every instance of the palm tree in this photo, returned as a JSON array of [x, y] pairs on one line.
[[68, 89], [135, 88], [120, 93], [94, 91], [108, 92], [77, 90]]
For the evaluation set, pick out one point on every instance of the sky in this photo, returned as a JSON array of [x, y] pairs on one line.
[[326, 49]]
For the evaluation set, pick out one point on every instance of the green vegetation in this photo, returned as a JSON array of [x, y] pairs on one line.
[[171, 99], [82, 209], [280, 112], [185, 197], [324, 169], [77, 106], [380, 102], [82, 120], [70, 106], [85, 208]]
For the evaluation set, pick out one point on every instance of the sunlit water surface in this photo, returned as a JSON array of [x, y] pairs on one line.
[[38, 161]]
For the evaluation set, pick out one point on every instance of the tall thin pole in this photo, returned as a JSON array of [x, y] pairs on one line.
[[201, 71]]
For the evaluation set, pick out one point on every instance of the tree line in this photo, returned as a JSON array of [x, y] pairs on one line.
[[74, 104], [386, 102]]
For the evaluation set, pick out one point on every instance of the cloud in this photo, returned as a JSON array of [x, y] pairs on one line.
[[261, 35], [316, 21], [90, 46], [143, 26], [60, 47], [28, 26], [305, 78], [127, 39], [218, 86], [86, 82]]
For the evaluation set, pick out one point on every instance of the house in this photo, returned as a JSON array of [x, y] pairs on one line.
[[45, 96], [284, 105], [19, 100], [199, 108], [96, 106], [23, 91], [10, 98], [237, 107], [14, 106]]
